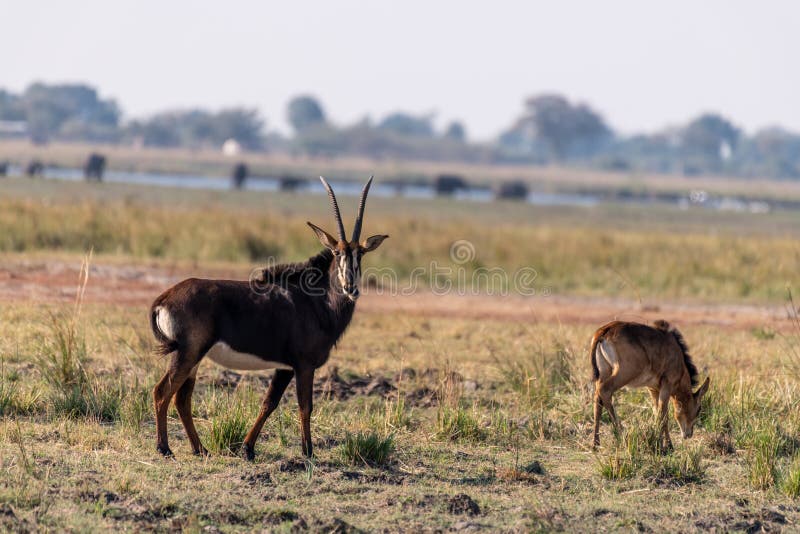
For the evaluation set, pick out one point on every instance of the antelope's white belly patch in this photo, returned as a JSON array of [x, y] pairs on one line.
[[221, 353]]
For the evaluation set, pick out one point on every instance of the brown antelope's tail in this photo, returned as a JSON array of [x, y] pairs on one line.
[[166, 345], [597, 338], [664, 326]]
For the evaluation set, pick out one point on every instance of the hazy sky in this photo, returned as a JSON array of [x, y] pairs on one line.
[[642, 65]]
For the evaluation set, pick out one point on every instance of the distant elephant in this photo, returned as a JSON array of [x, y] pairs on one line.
[[291, 183], [3, 168], [448, 184], [94, 167], [34, 168], [239, 175], [514, 190]]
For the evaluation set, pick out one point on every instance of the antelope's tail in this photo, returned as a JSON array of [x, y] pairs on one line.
[[166, 344], [597, 338]]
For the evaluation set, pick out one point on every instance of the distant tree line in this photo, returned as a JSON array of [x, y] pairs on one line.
[[75, 112], [550, 129]]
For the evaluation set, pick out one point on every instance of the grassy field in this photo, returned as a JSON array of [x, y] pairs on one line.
[[421, 421], [609, 251], [488, 427]]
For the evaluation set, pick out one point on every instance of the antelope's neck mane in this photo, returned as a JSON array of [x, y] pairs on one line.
[[287, 274], [317, 272]]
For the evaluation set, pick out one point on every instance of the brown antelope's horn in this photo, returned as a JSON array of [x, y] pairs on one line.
[[361, 205], [335, 206]]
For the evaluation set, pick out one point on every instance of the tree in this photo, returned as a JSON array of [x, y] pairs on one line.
[[407, 125], [244, 125], [564, 130], [455, 132], [69, 111], [305, 113], [707, 135], [11, 107], [160, 130], [197, 127], [570, 131]]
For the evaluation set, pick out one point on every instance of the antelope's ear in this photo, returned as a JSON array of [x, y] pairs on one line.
[[327, 240], [703, 389], [371, 243]]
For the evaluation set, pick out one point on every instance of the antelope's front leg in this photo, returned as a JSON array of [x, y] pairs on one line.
[[277, 386], [305, 401], [663, 416]]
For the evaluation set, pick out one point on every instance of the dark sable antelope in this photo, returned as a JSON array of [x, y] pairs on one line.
[[289, 321], [637, 355]]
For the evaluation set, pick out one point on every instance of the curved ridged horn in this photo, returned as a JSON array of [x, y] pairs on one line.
[[360, 217], [335, 206]]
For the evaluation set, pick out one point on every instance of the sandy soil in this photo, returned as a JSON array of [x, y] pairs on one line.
[[43, 281]]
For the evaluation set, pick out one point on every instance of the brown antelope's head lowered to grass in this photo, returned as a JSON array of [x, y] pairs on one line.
[[347, 255], [657, 357], [687, 409]]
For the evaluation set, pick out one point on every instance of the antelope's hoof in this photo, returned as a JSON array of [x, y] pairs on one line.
[[165, 451], [202, 452], [249, 453]]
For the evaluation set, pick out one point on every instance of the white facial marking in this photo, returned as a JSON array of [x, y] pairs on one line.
[[165, 323], [222, 354], [342, 270]]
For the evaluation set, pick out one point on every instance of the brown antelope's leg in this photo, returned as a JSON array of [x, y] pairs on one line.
[[654, 395], [305, 400], [663, 415], [606, 392], [598, 410], [276, 388], [162, 395], [183, 402]]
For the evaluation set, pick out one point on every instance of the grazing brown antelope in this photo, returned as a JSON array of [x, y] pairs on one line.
[[637, 355], [289, 321]]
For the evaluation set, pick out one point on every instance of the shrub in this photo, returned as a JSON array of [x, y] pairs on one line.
[[8, 396], [228, 424], [136, 407], [791, 479], [639, 452], [762, 459], [457, 424], [368, 448], [681, 467]]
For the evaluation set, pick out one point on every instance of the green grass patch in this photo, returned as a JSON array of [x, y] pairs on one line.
[[368, 448]]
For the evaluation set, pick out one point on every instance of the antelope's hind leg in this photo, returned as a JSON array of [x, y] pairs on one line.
[[276, 389], [183, 402], [598, 411], [180, 369], [605, 393]]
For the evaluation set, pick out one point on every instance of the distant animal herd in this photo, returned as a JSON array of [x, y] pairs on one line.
[[445, 185]]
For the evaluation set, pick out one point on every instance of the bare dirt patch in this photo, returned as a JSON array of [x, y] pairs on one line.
[[139, 284]]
